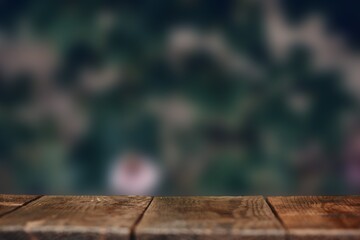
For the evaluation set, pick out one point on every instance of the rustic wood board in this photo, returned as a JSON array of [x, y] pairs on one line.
[[74, 217], [333, 217], [10, 202], [209, 218]]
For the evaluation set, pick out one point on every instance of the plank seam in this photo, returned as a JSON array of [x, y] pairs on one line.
[[287, 235], [132, 232], [20, 206]]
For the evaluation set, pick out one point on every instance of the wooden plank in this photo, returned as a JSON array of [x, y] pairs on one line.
[[209, 218], [10, 202], [74, 217], [335, 217]]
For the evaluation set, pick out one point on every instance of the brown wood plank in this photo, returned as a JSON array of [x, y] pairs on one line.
[[209, 218], [74, 217], [332, 217], [10, 202]]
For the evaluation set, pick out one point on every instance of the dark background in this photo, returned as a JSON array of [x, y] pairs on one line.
[[180, 97]]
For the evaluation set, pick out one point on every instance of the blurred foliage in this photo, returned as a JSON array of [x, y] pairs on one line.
[[262, 126]]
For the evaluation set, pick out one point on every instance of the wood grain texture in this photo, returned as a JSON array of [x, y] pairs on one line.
[[311, 217], [10, 202], [74, 217], [209, 218]]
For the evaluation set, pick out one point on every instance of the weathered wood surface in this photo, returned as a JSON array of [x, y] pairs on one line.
[[335, 217], [209, 218], [9, 203], [131, 217], [74, 217]]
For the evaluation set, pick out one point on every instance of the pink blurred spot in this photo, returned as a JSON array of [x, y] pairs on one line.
[[134, 174], [352, 164]]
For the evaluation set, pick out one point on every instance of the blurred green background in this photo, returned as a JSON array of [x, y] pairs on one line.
[[179, 97]]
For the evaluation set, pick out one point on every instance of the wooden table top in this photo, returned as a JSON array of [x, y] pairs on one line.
[[222, 217]]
